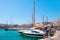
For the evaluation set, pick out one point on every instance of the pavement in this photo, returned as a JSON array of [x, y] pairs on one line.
[[55, 37]]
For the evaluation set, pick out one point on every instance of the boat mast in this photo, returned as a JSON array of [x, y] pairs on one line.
[[47, 20], [33, 15], [11, 21], [43, 21]]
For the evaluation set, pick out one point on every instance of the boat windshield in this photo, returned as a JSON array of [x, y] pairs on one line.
[[35, 31]]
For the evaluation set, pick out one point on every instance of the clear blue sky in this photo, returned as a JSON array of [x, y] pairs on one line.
[[20, 11]]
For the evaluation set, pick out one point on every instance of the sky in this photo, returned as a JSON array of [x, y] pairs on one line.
[[20, 11]]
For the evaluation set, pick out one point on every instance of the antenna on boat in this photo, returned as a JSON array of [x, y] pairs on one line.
[[33, 15]]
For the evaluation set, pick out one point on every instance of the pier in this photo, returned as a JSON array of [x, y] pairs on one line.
[[55, 37]]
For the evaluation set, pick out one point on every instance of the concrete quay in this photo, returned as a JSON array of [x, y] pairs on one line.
[[55, 37]]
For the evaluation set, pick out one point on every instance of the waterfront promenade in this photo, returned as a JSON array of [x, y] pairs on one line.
[[55, 37]]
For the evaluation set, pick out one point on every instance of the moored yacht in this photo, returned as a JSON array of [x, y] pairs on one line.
[[33, 33], [11, 29]]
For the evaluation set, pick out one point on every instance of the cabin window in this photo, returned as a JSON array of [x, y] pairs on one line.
[[35, 31]]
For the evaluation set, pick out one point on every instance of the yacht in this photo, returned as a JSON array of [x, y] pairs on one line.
[[33, 33]]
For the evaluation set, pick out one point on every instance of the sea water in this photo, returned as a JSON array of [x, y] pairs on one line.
[[13, 35]]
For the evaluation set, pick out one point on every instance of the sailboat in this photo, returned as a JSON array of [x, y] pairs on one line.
[[33, 32], [10, 27]]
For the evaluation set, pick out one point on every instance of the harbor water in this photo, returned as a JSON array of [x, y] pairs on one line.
[[13, 35]]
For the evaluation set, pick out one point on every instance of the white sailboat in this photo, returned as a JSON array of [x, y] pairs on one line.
[[32, 32]]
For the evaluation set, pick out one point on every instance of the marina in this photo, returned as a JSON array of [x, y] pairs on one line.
[[46, 29], [15, 35]]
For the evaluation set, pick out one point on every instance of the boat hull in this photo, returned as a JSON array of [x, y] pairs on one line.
[[33, 35], [10, 30]]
